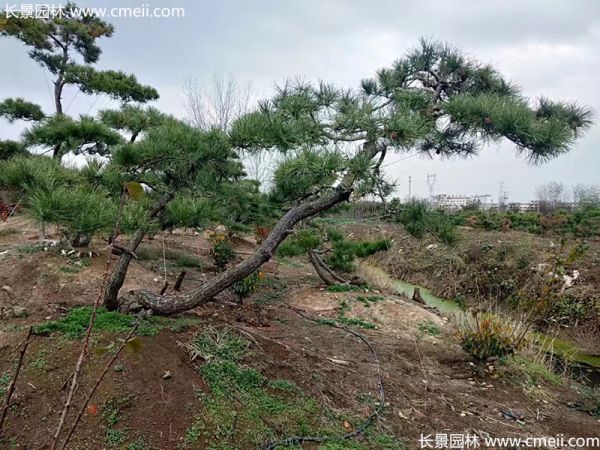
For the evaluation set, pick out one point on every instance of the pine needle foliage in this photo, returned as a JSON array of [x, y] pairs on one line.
[[13, 109], [80, 211], [436, 100]]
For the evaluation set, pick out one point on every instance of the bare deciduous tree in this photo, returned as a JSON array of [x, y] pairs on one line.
[[551, 196], [217, 104], [586, 194]]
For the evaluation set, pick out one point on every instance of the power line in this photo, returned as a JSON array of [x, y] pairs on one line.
[[399, 160]]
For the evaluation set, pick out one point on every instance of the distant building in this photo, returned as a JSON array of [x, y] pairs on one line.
[[531, 206], [457, 202]]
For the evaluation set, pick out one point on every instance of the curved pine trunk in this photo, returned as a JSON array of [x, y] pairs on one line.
[[117, 278], [166, 305], [324, 272]]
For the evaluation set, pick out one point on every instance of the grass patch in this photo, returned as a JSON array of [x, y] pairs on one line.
[[345, 288], [112, 411], [528, 371], [138, 444], [367, 300], [358, 322], [428, 327], [7, 231], [29, 249], [4, 383], [40, 362], [216, 344], [243, 408], [75, 323], [115, 437]]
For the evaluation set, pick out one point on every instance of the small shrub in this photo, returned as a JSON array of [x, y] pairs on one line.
[[299, 243], [4, 382], [187, 260], [344, 252], [342, 256], [115, 437], [248, 285], [367, 248], [222, 251], [418, 219], [487, 335], [590, 401]]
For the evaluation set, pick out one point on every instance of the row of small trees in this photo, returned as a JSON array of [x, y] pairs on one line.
[[152, 170]]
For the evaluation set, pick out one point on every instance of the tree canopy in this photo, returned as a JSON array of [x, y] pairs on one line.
[[66, 46]]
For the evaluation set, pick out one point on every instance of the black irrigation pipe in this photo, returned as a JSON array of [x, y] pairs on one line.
[[297, 440]]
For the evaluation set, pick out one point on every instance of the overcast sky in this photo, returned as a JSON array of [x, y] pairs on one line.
[[548, 47]]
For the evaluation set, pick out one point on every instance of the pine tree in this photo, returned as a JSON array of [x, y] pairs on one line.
[[435, 101], [66, 46]]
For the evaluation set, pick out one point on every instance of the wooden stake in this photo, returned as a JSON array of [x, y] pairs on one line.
[[11, 386], [179, 280]]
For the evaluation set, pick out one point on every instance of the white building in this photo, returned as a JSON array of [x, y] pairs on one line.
[[457, 202]]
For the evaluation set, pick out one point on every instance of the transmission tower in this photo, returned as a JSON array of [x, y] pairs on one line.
[[502, 196], [409, 187], [431, 179]]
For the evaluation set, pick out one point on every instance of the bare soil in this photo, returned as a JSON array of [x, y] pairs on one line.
[[431, 385]]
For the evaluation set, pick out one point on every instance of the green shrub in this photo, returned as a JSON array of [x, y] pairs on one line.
[[299, 243], [344, 252], [418, 219], [363, 249], [413, 216], [248, 285], [222, 251], [428, 327], [81, 211], [590, 401]]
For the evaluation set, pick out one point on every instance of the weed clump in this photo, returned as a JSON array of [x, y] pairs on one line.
[[488, 335]]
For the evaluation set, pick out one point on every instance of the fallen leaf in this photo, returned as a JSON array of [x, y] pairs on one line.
[[92, 410]]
